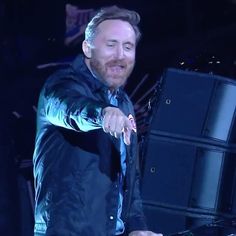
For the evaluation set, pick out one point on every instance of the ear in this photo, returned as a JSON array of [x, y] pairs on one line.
[[86, 49]]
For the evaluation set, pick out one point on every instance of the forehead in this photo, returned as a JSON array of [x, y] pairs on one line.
[[116, 30]]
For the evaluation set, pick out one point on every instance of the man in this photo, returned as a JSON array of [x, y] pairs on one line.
[[86, 145]]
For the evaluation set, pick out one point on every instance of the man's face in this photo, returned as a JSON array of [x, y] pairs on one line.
[[113, 53]]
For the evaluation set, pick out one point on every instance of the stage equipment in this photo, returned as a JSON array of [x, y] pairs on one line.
[[188, 155]]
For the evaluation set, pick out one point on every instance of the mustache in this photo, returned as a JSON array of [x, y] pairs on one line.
[[120, 63]]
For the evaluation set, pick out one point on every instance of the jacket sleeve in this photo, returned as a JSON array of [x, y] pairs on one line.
[[69, 104]]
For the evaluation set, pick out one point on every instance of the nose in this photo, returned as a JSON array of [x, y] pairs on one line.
[[120, 52]]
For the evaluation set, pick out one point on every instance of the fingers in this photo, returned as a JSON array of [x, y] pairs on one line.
[[116, 126], [116, 123], [127, 132], [144, 233], [113, 121], [126, 135]]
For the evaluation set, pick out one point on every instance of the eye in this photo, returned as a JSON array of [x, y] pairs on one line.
[[128, 46], [110, 45]]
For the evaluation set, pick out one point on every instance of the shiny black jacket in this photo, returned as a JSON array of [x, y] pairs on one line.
[[76, 164]]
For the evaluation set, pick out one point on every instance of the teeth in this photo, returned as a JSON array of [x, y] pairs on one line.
[[116, 68]]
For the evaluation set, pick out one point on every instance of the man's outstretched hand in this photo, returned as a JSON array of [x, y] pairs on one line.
[[116, 123], [144, 233]]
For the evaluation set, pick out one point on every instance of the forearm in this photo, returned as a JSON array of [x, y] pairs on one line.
[[80, 113]]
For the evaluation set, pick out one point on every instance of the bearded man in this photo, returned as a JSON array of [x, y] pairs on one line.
[[85, 156]]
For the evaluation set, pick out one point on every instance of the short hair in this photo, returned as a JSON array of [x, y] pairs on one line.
[[112, 13]]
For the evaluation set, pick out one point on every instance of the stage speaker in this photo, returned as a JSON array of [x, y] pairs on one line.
[[196, 104], [188, 151], [166, 184]]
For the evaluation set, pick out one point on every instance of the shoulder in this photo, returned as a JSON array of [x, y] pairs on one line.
[[66, 76]]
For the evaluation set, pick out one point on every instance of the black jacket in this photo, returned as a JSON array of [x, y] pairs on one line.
[[76, 164]]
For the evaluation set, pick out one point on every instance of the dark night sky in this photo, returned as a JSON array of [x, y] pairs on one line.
[[171, 29]]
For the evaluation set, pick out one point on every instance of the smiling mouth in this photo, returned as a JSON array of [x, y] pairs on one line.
[[117, 69]]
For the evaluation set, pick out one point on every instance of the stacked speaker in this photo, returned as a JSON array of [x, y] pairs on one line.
[[189, 152]]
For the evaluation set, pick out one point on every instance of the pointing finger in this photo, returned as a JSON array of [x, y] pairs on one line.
[[127, 134]]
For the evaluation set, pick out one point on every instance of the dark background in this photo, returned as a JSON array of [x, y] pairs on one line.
[[195, 35]]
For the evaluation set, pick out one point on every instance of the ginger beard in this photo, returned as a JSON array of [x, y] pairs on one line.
[[113, 73]]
